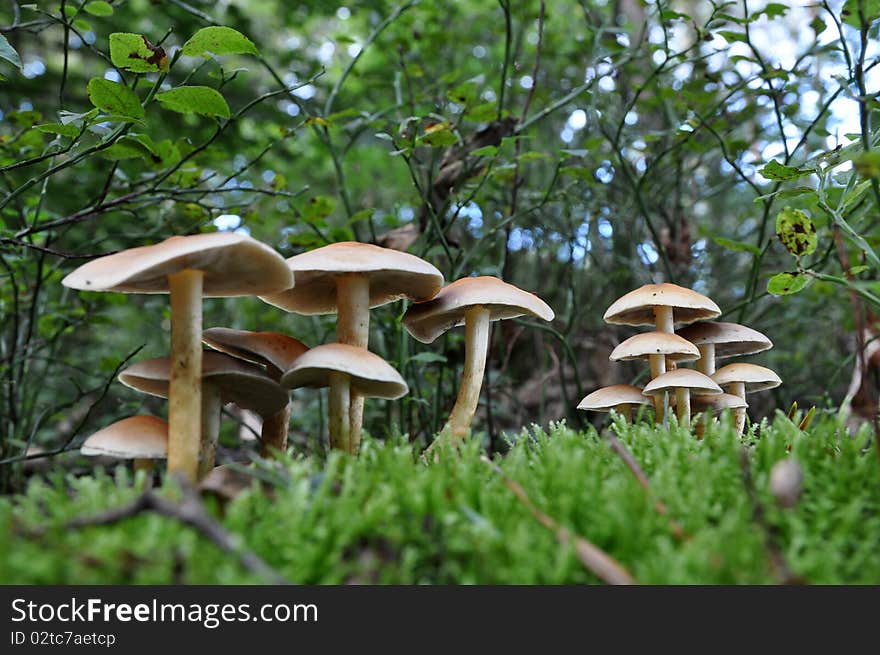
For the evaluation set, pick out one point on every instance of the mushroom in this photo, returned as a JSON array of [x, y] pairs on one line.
[[717, 340], [188, 268], [683, 381], [714, 404], [742, 378], [277, 353], [143, 439], [619, 397], [344, 369], [473, 302], [349, 279], [225, 379], [661, 305]]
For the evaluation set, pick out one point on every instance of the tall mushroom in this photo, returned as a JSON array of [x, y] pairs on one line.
[[742, 378], [349, 279], [473, 302], [225, 379], [619, 397], [661, 305], [188, 268], [276, 352], [717, 340], [344, 369], [143, 439], [682, 381]]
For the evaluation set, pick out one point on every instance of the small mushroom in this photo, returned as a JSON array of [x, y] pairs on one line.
[[349, 279], [473, 302], [225, 379], [742, 378], [143, 439], [619, 397], [717, 340], [187, 268], [344, 369], [683, 381], [786, 482], [276, 352], [714, 405]]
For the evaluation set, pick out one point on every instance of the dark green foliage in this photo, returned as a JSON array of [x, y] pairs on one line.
[[388, 518]]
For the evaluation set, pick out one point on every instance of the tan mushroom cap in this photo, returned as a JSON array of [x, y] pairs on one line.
[[730, 339], [656, 343], [234, 265], [428, 320], [682, 378], [135, 437], [266, 348], [244, 384], [637, 307], [370, 375], [756, 378], [607, 398], [717, 402], [393, 275]]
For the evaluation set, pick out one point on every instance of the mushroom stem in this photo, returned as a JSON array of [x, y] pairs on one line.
[[658, 368], [739, 414], [476, 346], [340, 396], [185, 392], [211, 408], [353, 328], [145, 465], [683, 406], [663, 318], [706, 362], [625, 410], [273, 434]]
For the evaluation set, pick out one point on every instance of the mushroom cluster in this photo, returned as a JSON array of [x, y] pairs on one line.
[[701, 341]]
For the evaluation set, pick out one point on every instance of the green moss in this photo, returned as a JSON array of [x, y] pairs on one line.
[[388, 518]]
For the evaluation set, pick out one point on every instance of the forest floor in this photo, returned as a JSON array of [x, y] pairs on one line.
[[560, 507]]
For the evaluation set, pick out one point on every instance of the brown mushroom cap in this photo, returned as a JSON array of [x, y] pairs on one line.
[[243, 384], [428, 320], [637, 307], [266, 348], [370, 374], [682, 378], [717, 402], [656, 343], [756, 378], [607, 398], [730, 339], [393, 275], [234, 265], [135, 437]]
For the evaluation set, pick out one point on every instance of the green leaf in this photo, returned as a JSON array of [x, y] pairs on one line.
[[818, 25], [851, 16], [220, 41], [8, 53], [868, 165], [737, 246], [82, 25], [134, 52], [98, 8], [194, 100], [438, 134], [783, 284], [855, 270], [731, 37], [463, 94], [428, 358], [59, 128], [485, 151], [317, 208], [774, 9], [114, 98], [796, 232], [126, 148], [773, 170], [482, 113]]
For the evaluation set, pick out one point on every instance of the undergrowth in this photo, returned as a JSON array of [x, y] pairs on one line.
[[387, 517]]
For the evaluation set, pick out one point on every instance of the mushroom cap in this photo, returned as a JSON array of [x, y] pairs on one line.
[[717, 402], [393, 275], [637, 307], [370, 375], [607, 398], [682, 378], [234, 265], [266, 348], [428, 320], [656, 343], [135, 437], [244, 384], [756, 378], [730, 339]]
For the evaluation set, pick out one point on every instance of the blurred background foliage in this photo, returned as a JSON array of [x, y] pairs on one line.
[[577, 149]]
